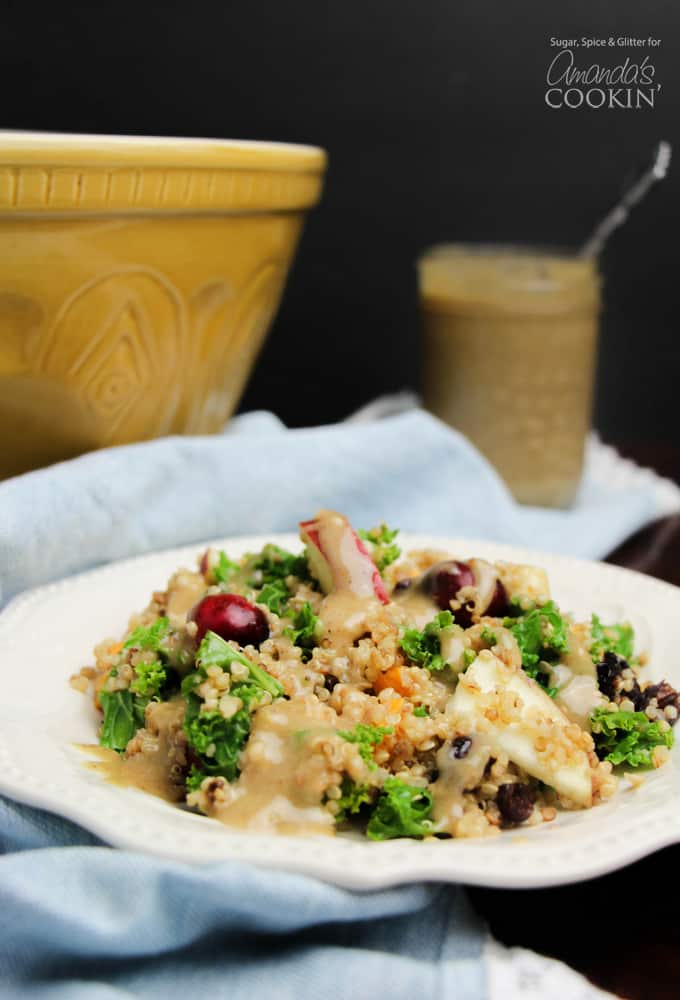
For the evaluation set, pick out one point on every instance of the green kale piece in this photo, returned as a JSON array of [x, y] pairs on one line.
[[121, 719], [383, 550], [518, 605], [627, 737], [305, 630], [469, 656], [149, 679], [424, 648], [401, 811], [225, 568], [214, 651], [541, 634], [217, 741], [352, 798], [488, 636], [366, 737], [617, 639], [194, 779], [274, 563], [149, 637], [421, 712], [275, 596]]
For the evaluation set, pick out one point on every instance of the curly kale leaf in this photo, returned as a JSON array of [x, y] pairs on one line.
[[149, 680], [352, 799], [275, 595], [225, 568], [149, 637], [274, 563], [367, 737], [489, 637], [627, 737], [194, 779], [384, 551], [267, 572], [617, 639], [541, 634], [401, 811], [121, 718], [424, 648], [305, 630], [215, 652], [216, 741]]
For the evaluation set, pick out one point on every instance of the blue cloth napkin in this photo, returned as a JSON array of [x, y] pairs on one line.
[[80, 920], [410, 470]]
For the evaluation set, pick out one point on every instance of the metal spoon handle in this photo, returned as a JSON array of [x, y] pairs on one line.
[[633, 194]]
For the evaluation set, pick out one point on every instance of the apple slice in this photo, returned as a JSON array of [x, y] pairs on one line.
[[338, 558], [533, 732]]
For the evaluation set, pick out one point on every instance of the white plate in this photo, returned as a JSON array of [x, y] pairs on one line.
[[48, 633]]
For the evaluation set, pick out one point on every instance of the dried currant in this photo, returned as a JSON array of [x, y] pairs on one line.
[[460, 747], [515, 802]]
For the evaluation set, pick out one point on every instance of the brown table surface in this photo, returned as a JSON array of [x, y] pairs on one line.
[[621, 930]]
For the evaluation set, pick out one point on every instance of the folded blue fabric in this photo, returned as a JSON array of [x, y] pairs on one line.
[[91, 922], [80, 920], [410, 470]]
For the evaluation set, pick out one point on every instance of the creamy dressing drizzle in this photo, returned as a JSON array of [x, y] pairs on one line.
[[417, 606], [281, 784], [578, 658], [345, 611], [184, 591], [149, 771], [457, 775]]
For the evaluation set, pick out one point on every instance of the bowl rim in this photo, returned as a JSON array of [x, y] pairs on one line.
[[24, 147]]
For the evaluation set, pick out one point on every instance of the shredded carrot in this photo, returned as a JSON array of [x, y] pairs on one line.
[[114, 648], [395, 706], [395, 678]]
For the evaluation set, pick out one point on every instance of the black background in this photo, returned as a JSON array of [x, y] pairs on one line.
[[434, 117]]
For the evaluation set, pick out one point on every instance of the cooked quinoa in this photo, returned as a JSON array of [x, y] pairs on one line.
[[350, 685]]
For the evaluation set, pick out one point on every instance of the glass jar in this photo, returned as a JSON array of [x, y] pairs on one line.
[[510, 338]]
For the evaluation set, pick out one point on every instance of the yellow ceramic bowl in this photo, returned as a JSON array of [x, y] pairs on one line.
[[138, 278]]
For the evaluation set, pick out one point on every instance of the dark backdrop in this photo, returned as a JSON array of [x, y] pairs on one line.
[[434, 117]]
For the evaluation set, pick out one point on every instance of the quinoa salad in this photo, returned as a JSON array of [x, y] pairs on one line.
[[350, 686]]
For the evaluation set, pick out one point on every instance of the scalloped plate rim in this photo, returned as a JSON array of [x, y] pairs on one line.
[[354, 864]]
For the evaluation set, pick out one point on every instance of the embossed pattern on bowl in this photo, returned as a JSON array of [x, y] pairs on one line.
[[138, 279]]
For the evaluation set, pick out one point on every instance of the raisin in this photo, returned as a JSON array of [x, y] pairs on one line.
[[610, 682], [460, 747], [665, 695], [609, 674], [515, 802]]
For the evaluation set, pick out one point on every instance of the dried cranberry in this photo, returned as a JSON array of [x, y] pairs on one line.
[[460, 747], [231, 617], [515, 802]]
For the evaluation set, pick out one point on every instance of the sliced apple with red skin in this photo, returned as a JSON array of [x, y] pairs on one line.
[[338, 558]]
